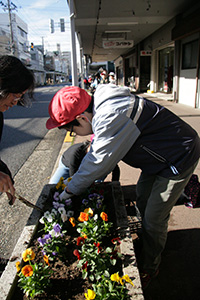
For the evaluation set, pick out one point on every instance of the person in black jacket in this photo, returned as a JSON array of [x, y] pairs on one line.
[[71, 160], [15, 81]]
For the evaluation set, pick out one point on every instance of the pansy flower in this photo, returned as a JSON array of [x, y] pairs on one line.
[[104, 216], [27, 271], [83, 217], [28, 254]]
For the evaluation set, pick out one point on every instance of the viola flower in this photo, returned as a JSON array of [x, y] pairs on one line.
[[83, 217], [56, 196], [46, 259], [64, 217], [115, 277], [61, 210], [18, 266], [57, 205], [80, 241], [99, 204], [89, 211], [59, 184], [85, 202], [104, 216], [27, 271], [116, 241], [68, 202], [72, 221], [28, 254], [90, 295], [48, 216], [127, 279], [77, 254]]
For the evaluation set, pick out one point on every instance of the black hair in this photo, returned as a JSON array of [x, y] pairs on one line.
[[89, 109], [15, 77]]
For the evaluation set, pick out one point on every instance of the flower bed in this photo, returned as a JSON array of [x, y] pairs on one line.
[[88, 237]]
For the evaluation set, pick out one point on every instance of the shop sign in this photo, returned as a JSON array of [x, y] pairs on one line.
[[145, 53], [118, 44]]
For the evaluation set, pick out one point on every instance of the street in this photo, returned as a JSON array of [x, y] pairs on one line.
[[30, 151]]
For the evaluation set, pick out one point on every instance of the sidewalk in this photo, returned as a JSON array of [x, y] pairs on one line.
[[179, 277]]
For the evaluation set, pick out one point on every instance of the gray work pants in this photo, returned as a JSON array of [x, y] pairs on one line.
[[156, 197]]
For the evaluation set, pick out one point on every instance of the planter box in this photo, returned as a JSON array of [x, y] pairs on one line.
[[8, 279]]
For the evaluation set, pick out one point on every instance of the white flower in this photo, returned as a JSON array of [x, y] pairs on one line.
[[41, 220], [48, 216], [54, 212], [64, 217], [62, 210]]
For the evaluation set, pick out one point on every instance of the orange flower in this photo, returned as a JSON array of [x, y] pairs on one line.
[[104, 216], [83, 217], [46, 259], [18, 266], [27, 271], [28, 254], [72, 221]]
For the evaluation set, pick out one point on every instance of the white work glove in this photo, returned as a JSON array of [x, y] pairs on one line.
[[65, 195]]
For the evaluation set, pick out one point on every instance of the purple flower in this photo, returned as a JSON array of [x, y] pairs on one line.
[[56, 205], [57, 228], [68, 202], [56, 196], [41, 241], [85, 201], [47, 238], [54, 253]]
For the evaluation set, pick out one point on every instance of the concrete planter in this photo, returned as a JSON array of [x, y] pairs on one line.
[[8, 279]]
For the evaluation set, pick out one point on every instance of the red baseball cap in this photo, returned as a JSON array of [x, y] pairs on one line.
[[66, 104]]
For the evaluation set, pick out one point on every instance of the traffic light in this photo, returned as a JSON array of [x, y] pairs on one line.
[[52, 26], [32, 46], [62, 25]]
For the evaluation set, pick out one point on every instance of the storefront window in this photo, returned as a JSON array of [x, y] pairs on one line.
[[166, 61], [189, 57]]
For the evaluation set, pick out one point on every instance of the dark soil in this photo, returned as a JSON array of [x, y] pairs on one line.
[[66, 281]]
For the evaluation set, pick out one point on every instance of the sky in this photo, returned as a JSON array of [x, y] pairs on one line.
[[37, 14]]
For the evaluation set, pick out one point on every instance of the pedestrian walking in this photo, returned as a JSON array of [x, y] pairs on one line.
[[144, 135]]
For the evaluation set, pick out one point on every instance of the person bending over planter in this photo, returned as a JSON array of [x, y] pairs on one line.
[[15, 81], [144, 135]]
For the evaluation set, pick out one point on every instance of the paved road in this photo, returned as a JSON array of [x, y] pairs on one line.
[[31, 151]]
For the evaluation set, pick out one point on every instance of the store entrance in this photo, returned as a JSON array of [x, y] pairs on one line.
[[166, 61]]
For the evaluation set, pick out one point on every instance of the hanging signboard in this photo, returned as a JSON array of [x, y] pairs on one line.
[[118, 44], [145, 53]]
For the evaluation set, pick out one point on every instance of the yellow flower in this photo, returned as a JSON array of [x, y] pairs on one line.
[[127, 279], [63, 186], [115, 277], [46, 259], [89, 211], [60, 182], [69, 179], [27, 271], [28, 254], [90, 295], [18, 266]]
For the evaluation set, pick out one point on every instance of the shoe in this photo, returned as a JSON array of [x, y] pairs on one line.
[[146, 278]]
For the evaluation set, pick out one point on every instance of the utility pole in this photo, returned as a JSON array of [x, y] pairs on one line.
[[8, 7], [73, 45], [11, 30]]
